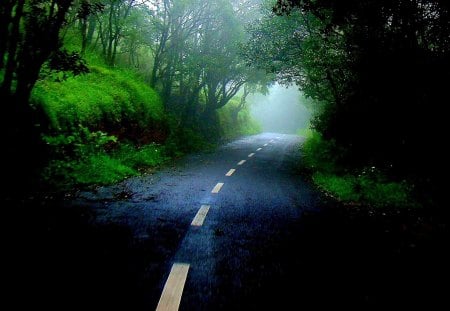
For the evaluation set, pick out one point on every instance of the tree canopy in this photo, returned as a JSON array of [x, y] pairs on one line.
[[377, 69]]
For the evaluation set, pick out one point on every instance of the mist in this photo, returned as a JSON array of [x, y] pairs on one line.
[[280, 111]]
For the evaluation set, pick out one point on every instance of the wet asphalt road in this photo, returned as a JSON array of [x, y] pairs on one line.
[[235, 257], [269, 242]]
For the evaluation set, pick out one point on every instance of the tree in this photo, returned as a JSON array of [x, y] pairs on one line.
[[110, 26], [197, 63], [379, 66], [30, 36]]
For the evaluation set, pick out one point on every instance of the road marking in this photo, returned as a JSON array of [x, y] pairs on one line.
[[217, 188], [230, 172], [171, 294], [201, 215], [251, 155], [265, 145], [271, 141], [278, 137], [241, 162], [258, 149]]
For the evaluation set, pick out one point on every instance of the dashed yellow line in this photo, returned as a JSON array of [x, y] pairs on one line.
[[251, 155], [230, 172], [171, 294], [201, 215], [241, 162], [217, 187]]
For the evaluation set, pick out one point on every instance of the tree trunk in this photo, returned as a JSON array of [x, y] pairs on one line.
[[83, 29], [91, 29], [13, 45], [5, 17]]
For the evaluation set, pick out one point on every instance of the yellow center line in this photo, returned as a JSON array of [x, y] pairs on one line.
[[258, 149], [230, 172], [265, 145], [201, 215], [171, 294], [251, 155], [241, 162], [217, 188]]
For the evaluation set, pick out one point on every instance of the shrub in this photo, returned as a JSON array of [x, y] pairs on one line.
[[103, 98]]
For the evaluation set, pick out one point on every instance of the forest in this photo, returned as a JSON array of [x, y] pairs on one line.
[[95, 91], [137, 173]]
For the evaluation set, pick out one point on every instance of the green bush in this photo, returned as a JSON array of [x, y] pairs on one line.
[[83, 111], [80, 143], [141, 157], [104, 97], [86, 158], [100, 169], [320, 154]]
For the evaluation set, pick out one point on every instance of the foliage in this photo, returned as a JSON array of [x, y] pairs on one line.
[[376, 69], [184, 140], [98, 169], [86, 158], [142, 157], [350, 188], [320, 154], [30, 35], [79, 143], [105, 99], [371, 68], [367, 185], [232, 126]]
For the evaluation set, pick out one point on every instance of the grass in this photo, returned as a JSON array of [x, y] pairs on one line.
[[93, 115], [115, 97], [351, 185], [90, 117], [102, 168], [350, 188]]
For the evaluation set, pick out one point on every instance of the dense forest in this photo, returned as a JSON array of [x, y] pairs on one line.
[[136, 174], [113, 86], [376, 72]]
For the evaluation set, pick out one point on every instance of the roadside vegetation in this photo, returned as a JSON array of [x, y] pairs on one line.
[[100, 91], [356, 186], [113, 80], [373, 73], [108, 125]]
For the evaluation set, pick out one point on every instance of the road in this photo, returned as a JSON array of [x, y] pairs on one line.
[[264, 239], [236, 252]]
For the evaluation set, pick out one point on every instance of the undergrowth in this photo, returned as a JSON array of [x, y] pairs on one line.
[[366, 185]]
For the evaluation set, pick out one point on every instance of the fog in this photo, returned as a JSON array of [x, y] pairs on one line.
[[280, 111]]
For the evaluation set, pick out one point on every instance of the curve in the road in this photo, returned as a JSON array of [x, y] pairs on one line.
[[172, 292]]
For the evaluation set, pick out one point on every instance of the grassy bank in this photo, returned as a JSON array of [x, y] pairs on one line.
[[363, 185], [108, 125], [103, 126]]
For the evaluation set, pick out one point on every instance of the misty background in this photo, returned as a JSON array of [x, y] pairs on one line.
[[280, 111]]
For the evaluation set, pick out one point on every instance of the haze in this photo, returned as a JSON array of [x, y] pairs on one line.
[[280, 111]]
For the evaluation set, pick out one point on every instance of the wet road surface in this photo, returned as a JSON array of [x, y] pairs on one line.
[[239, 228]]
